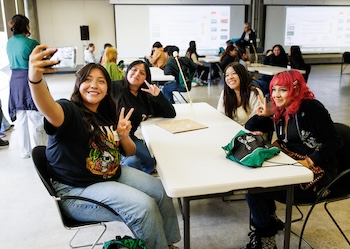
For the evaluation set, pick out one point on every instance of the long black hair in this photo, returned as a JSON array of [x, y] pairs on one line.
[[106, 109], [230, 99], [123, 99]]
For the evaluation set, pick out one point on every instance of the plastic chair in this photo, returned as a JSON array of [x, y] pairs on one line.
[[345, 62], [338, 189], [40, 162]]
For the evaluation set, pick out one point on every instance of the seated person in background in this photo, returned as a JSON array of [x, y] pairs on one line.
[[136, 92], [306, 128], [296, 58], [109, 60], [228, 56], [276, 57], [240, 97], [89, 56], [158, 57], [86, 137], [202, 70], [242, 55], [103, 50], [296, 61], [171, 68], [221, 49]]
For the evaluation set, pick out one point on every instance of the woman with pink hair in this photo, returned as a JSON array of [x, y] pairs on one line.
[[305, 127]]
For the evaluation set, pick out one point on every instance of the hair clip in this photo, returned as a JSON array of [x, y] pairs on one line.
[[295, 84]]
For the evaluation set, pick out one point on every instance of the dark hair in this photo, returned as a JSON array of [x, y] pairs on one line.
[[227, 52], [157, 44], [241, 52], [192, 48], [296, 58], [90, 45], [172, 49], [283, 52], [19, 24], [107, 108], [230, 99], [123, 99], [107, 45]]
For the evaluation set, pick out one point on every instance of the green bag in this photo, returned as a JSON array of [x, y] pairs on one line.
[[249, 149], [125, 242]]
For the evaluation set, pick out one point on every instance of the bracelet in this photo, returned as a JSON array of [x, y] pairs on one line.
[[35, 82]]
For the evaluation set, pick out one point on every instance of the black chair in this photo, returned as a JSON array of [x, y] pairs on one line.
[[337, 190], [344, 63], [40, 162], [221, 73], [307, 72]]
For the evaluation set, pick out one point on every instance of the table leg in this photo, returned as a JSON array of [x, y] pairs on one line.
[[186, 218], [288, 221]]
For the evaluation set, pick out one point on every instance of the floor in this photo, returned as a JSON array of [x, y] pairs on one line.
[[29, 217]]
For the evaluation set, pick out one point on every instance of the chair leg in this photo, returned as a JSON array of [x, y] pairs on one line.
[[306, 243], [330, 215], [301, 214], [178, 100], [93, 244]]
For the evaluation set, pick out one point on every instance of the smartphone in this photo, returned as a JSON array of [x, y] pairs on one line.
[[66, 56]]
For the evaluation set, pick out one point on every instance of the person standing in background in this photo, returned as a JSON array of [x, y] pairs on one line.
[[29, 125], [89, 56], [248, 39]]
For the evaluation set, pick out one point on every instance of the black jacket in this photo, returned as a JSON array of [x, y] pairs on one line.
[[309, 132]]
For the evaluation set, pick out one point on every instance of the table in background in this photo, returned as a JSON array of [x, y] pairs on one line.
[[269, 70], [192, 165], [158, 75], [209, 60]]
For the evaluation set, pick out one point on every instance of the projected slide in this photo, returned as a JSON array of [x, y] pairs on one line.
[[209, 26], [318, 29]]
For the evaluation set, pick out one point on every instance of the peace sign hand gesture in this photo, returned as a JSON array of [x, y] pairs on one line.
[[152, 89], [124, 124], [263, 110]]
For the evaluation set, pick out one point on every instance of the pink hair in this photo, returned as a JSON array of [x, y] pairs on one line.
[[297, 89]]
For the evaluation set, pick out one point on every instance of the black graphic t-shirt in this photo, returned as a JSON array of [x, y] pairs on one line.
[[72, 159]]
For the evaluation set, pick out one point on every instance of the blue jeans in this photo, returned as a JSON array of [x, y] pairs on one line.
[[142, 159], [137, 197], [168, 89], [5, 125]]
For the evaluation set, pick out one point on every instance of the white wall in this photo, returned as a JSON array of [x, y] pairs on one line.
[[60, 21]]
